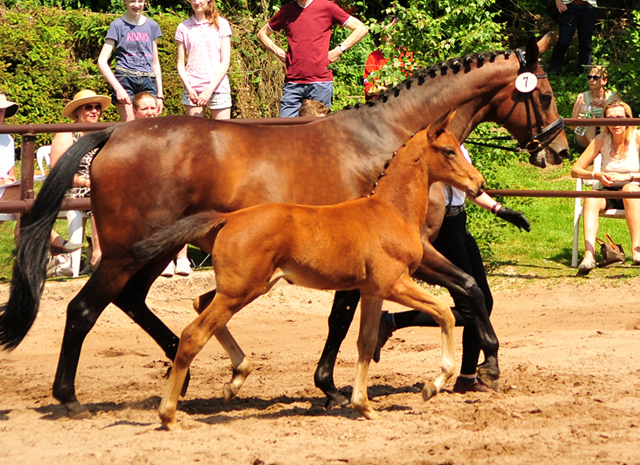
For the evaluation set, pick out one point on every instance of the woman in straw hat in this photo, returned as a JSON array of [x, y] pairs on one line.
[[86, 107]]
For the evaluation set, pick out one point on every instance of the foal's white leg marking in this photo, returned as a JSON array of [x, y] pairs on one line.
[[370, 308], [241, 364], [410, 294]]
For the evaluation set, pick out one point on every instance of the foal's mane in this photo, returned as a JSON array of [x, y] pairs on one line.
[[419, 76], [383, 173]]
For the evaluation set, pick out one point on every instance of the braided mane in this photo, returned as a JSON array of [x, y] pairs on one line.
[[419, 76]]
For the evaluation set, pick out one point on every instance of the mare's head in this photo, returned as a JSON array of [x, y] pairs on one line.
[[444, 159], [528, 109]]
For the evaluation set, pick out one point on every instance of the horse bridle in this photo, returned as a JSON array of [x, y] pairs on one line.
[[544, 136]]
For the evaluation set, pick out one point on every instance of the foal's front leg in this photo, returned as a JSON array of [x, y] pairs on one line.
[[410, 294], [370, 309], [242, 366]]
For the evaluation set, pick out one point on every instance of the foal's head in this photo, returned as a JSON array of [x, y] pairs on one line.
[[445, 161]]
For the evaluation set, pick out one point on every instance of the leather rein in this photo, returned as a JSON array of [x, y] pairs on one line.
[[544, 136]]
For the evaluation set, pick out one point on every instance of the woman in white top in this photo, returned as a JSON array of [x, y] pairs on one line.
[[618, 146]]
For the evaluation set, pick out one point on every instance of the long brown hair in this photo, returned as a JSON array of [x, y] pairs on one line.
[[212, 13]]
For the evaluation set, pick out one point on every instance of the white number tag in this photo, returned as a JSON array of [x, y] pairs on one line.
[[526, 82]]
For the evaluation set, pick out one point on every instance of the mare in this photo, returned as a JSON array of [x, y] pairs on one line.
[[150, 173], [372, 244]]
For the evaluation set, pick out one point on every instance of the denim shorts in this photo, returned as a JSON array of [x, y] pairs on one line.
[[294, 93], [218, 101], [134, 84]]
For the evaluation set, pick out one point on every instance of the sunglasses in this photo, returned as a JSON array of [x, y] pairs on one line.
[[91, 107], [595, 77]]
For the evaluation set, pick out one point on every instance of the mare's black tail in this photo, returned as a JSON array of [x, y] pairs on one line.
[[30, 267], [182, 232]]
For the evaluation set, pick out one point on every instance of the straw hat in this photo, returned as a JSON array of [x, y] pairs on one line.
[[83, 97], [10, 107]]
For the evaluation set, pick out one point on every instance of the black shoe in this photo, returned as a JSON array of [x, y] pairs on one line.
[[384, 333], [67, 247], [462, 387]]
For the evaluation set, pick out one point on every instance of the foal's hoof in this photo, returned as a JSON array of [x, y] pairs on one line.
[[77, 411], [228, 393], [171, 426], [429, 391], [489, 378]]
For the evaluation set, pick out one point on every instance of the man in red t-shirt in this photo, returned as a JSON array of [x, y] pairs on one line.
[[307, 25]]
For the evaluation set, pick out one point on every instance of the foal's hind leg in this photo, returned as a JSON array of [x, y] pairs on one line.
[[367, 337], [410, 294], [342, 311], [193, 339], [242, 367]]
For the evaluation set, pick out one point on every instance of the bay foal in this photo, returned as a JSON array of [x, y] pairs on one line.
[[372, 244]]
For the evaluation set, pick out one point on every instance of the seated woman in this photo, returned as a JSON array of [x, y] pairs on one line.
[[618, 146], [597, 97], [86, 107]]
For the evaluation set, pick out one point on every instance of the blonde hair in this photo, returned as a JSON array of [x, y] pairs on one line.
[[627, 113], [139, 96]]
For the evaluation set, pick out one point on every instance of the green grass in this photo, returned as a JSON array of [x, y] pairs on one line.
[[545, 252]]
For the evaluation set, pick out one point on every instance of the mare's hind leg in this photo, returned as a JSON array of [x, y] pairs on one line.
[[242, 367], [82, 313], [410, 294], [342, 311], [193, 339], [436, 269], [367, 337]]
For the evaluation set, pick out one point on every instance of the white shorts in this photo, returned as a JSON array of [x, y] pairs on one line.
[[217, 101]]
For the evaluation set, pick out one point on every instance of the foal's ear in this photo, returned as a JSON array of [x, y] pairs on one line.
[[532, 54], [438, 126]]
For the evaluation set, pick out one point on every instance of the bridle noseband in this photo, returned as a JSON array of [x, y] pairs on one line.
[[544, 136]]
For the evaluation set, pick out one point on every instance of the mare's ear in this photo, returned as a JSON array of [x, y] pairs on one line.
[[532, 54], [544, 43], [438, 126]]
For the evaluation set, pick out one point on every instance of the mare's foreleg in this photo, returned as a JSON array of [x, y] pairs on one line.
[[342, 311], [410, 294], [436, 269], [369, 322], [242, 367]]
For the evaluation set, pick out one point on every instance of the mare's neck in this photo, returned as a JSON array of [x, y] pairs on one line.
[[411, 106]]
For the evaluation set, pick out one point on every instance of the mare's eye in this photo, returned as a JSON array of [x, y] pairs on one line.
[[545, 100]]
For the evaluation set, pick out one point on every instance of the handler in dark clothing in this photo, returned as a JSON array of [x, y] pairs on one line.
[[458, 245]]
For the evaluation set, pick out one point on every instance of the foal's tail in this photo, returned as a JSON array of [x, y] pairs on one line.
[[30, 267], [182, 232]]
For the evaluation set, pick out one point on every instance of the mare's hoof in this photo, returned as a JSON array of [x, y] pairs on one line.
[[77, 411], [429, 391], [489, 378], [336, 400]]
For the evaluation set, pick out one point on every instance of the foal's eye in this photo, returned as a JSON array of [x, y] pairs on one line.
[[450, 152]]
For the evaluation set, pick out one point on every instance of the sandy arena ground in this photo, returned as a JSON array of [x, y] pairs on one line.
[[570, 358]]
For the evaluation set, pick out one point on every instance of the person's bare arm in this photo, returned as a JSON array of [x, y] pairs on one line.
[[105, 69], [60, 144], [358, 31], [263, 37]]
